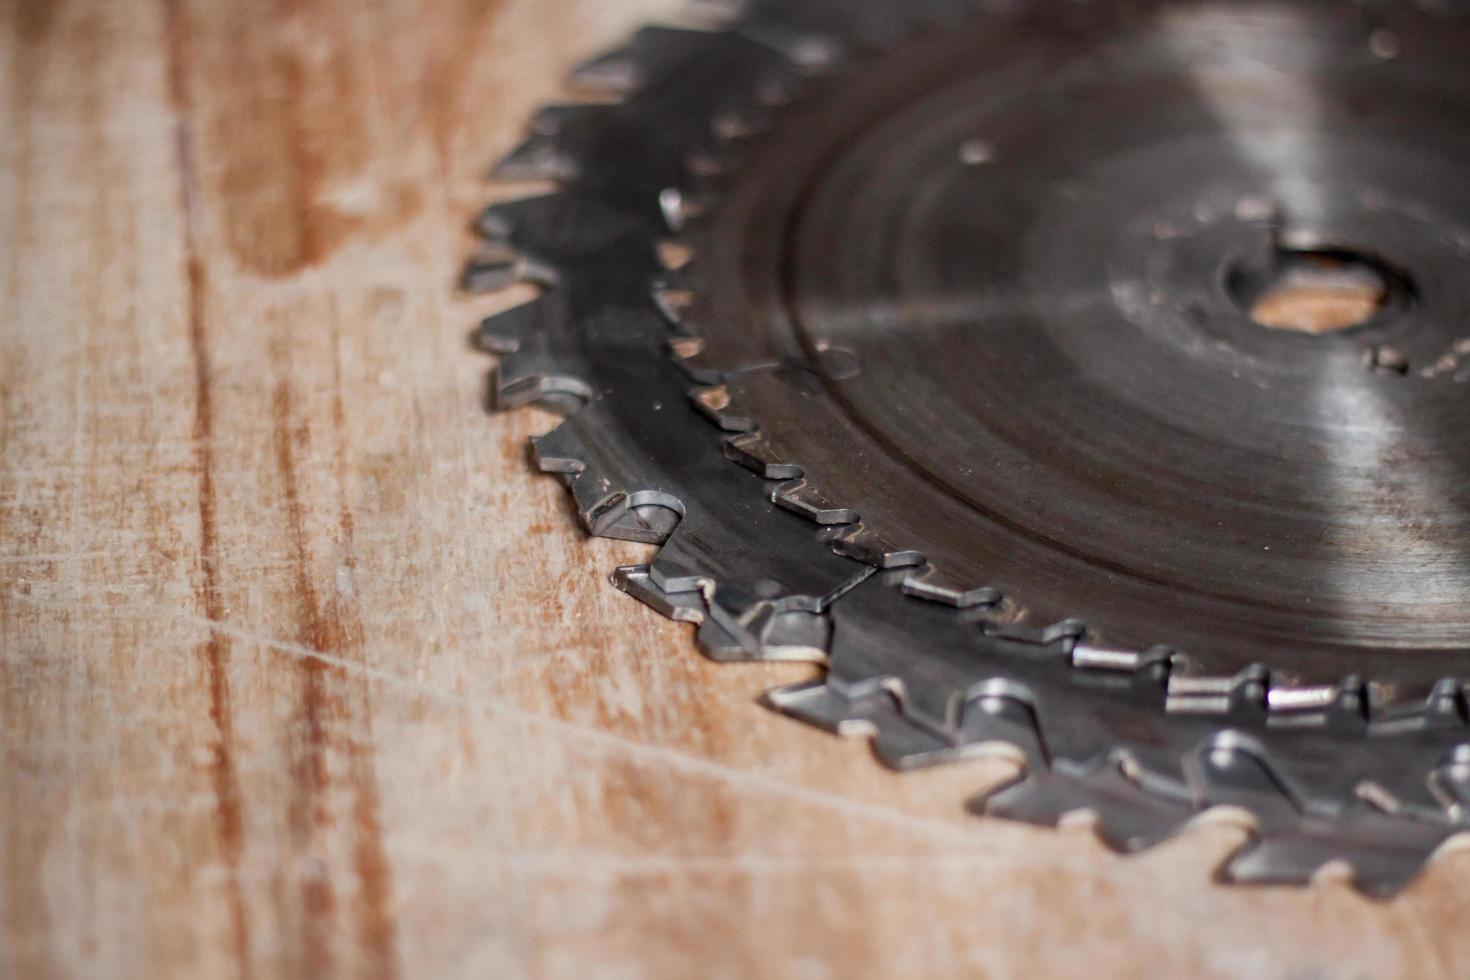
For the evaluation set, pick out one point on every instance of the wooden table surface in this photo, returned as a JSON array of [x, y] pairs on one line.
[[303, 673]]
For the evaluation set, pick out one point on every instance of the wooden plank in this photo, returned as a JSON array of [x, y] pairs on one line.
[[304, 673]]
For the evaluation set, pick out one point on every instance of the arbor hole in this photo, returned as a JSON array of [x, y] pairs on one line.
[[1314, 291]]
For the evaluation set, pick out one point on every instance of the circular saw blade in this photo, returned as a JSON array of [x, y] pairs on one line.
[[1037, 250], [1092, 370]]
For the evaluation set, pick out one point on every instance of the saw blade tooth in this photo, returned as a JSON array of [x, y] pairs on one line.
[[808, 52], [552, 149], [714, 403], [1381, 854], [872, 717], [1093, 656], [1126, 817], [568, 227], [897, 742], [659, 56], [529, 381], [724, 646], [496, 223], [614, 72], [529, 370], [1040, 798], [604, 500], [1240, 695], [675, 206], [537, 157], [868, 546], [1248, 696], [671, 303], [819, 35], [937, 586], [672, 293], [505, 333], [1445, 707], [801, 497], [1004, 619], [1130, 818], [683, 607], [817, 704], [1343, 708], [1348, 713], [1277, 860], [750, 565], [760, 635], [559, 451], [756, 453], [495, 268], [624, 69]]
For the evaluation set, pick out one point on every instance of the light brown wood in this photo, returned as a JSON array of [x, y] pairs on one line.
[[305, 674]]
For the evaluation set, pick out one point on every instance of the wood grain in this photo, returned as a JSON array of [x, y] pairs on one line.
[[304, 674]]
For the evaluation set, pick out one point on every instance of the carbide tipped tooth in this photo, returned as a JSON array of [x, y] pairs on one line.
[[754, 452], [524, 382], [505, 332], [801, 497], [713, 403], [682, 607], [672, 301], [1093, 656], [675, 206], [866, 545], [560, 451], [937, 586]]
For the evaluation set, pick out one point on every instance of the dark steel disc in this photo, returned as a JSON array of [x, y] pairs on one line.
[[1027, 255]]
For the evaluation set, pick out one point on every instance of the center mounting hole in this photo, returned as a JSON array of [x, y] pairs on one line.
[[1313, 290]]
